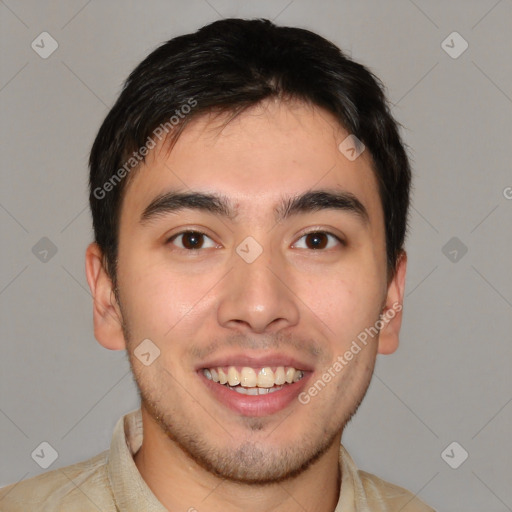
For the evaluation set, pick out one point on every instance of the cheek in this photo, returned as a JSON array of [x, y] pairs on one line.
[[159, 302], [347, 304]]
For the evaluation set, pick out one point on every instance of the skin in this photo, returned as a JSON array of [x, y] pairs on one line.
[[294, 300]]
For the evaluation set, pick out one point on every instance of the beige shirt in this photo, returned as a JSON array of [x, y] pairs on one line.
[[110, 482]]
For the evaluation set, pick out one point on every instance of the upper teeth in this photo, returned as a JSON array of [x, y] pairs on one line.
[[250, 377]]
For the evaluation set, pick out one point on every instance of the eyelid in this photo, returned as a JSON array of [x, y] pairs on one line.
[[193, 228]]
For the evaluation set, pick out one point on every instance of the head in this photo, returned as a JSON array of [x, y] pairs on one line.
[[232, 228]]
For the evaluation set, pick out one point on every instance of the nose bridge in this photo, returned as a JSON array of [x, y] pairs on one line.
[[255, 295]]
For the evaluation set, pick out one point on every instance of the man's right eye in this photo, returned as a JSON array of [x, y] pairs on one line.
[[192, 240]]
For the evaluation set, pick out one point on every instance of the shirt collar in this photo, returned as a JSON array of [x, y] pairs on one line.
[[131, 493]]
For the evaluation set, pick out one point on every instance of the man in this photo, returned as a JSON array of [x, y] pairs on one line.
[[249, 192]]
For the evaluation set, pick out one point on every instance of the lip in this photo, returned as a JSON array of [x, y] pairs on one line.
[[255, 361], [255, 405]]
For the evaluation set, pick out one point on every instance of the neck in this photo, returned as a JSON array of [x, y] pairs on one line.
[[179, 483]]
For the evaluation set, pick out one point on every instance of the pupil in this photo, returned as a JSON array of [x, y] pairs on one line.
[[317, 240], [192, 240]]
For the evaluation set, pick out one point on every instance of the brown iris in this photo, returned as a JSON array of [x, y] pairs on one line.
[[192, 240], [317, 240]]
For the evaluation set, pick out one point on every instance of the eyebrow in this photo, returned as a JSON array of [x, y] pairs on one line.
[[311, 201]]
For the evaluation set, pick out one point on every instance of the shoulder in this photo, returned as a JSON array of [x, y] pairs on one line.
[[72, 488], [379, 491]]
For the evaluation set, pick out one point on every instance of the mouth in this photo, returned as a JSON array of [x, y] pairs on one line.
[[254, 390]]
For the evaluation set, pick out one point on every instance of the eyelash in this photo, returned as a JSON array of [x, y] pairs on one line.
[[195, 232]]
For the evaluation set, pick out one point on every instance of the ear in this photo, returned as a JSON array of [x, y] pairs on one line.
[[392, 312], [106, 312]]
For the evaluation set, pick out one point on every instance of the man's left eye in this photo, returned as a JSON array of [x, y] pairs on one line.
[[318, 240]]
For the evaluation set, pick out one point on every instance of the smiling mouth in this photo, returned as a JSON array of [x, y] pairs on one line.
[[254, 381]]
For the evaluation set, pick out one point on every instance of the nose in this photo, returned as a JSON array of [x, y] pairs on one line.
[[258, 297]]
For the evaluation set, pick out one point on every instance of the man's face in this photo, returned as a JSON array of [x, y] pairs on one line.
[[211, 300]]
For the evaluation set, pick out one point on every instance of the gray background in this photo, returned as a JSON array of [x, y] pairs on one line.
[[449, 381]]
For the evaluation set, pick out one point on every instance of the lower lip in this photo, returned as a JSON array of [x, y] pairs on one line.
[[255, 405]]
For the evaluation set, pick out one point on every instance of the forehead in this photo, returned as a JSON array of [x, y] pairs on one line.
[[267, 152]]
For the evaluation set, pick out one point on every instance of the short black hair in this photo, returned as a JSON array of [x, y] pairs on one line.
[[227, 67]]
